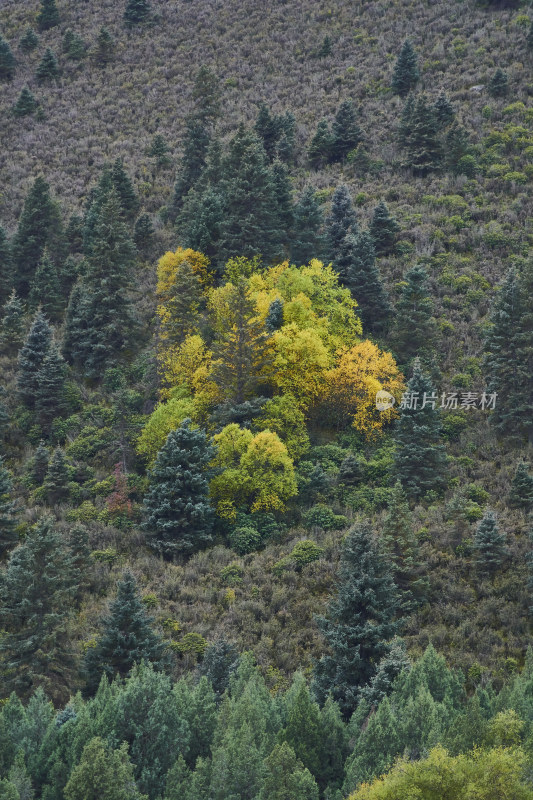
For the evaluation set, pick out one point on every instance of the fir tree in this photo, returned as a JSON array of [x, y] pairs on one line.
[[143, 233], [422, 144], [219, 663], [4, 414], [319, 151], [286, 778], [127, 639], [456, 146], [390, 666], [50, 397], [307, 240], [420, 459], [341, 220], [102, 774], [48, 69], [283, 194], [6, 267], [125, 191], [405, 120], [383, 229], [159, 150], [406, 73], [56, 483], [29, 40], [345, 133], [74, 47], [201, 221], [105, 46], [7, 61], [274, 318], [355, 630], [498, 85], [183, 304], [193, 161], [357, 269], [39, 464], [80, 558], [74, 234], [326, 48], [267, 128], [8, 511], [35, 596], [31, 358], [351, 470], [77, 319], [489, 544], [12, 330], [521, 494], [444, 112], [45, 289], [303, 728], [26, 103], [48, 16], [137, 12], [414, 330], [206, 96], [178, 516]]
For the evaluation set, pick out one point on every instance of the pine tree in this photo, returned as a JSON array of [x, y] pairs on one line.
[[127, 639], [26, 103], [183, 305], [105, 46], [178, 515], [31, 358], [193, 162], [406, 73], [159, 150], [7, 61], [47, 69], [48, 16], [102, 774], [355, 630], [45, 289], [444, 111], [29, 40], [12, 329], [414, 330], [489, 544], [124, 188], [50, 397], [8, 511], [6, 267], [143, 233], [521, 494], [56, 483], [498, 85], [383, 229], [346, 133], [422, 144], [274, 318], [286, 777], [341, 220], [356, 265], [420, 459], [39, 464], [319, 151], [137, 12], [307, 240], [35, 596]]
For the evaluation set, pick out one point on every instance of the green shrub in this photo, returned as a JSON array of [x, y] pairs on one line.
[[305, 552], [232, 574], [321, 516], [477, 494], [245, 540], [107, 556], [192, 643]]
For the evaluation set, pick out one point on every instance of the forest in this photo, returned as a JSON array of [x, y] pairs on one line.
[[266, 400]]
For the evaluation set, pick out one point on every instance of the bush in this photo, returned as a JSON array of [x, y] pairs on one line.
[[245, 540], [306, 552], [321, 516], [232, 574]]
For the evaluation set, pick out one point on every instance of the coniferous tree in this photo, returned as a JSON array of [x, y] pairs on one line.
[[529, 38], [390, 666], [73, 46], [319, 151], [405, 120], [499, 84], [195, 148], [29, 40], [307, 240], [444, 111], [414, 330], [48, 16], [102, 774], [105, 46], [326, 47], [26, 103], [56, 482], [8, 511], [45, 289], [39, 464], [80, 558], [183, 304], [456, 146], [274, 318], [383, 229], [219, 663], [286, 778], [420, 459], [35, 596], [31, 358], [357, 269], [489, 544], [159, 150], [346, 133], [12, 329], [7, 61], [355, 630], [77, 319], [178, 516], [284, 204], [4, 414], [201, 221], [341, 220], [521, 494], [267, 128], [206, 96], [406, 73], [48, 68], [422, 143], [50, 396], [6, 267], [128, 637], [125, 191], [143, 233], [303, 725], [136, 12]]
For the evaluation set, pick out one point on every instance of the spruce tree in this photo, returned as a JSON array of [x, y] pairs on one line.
[[39, 464], [178, 516], [31, 358], [267, 128], [521, 494], [48, 16], [200, 222], [35, 598], [405, 120], [326, 48], [206, 96], [390, 666], [286, 778], [127, 637], [284, 204], [48, 68], [499, 84], [355, 630], [422, 143], [137, 12], [489, 544], [444, 111], [125, 191], [406, 73], [7, 61], [307, 240], [6, 267], [357, 269], [383, 229], [26, 103], [50, 397], [74, 47], [183, 304], [45, 289], [193, 161], [341, 220], [56, 482], [143, 233], [420, 459], [8, 511], [219, 663], [346, 133], [303, 725], [319, 151], [457, 145], [105, 45], [414, 330], [77, 319], [29, 40], [102, 774], [12, 328], [159, 150], [274, 318]]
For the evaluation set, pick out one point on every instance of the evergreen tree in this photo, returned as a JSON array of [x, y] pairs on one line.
[[31, 358], [125, 191], [405, 120], [346, 133], [80, 558], [406, 73], [420, 460], [319, 151], [206, 96], [6, 267], [303, 726], [341, 220], [197, 706], [143, 233], [390, 666], [326, 47], [529, 38], [45, 289], [105, 46], [50, 396], [183, 305], [414, 330], [29, 40], [307, 241], [4, 414], [48, 16], [178, 515], [159, 150], [499, 84], [283, 194], [422, 144], [47, 69], [219, 663], [383, 229], [127, 638], [356, 265], [103, 774], [136, 12], [7, 61], [73, 46], [26, 103], [56, 483], [39, 464], [456, 146], [267, 128], [35, 596], [201, 221], [334, 748], [8, 511], [521, 494], [444, 111], [489, 544], [286, 778], [274, 318], [351, 470], [77, 320], [355, 630], [12, 330], [193, 161]]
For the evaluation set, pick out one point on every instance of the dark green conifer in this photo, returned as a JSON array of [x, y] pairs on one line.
[[319, 151], [45, 289], [414, 330], [444, 111], [12, 328], [206, 96], [521, 494], [77, 319], [184, 303], [39, 464], [137, 12], [105, 46], [489, 544], [457, 145], [274, 318], [303, 728], [29, 40], [406, 73], [178, 515], [390, 666], [307, 240], [143, 233], [50, 397], [74, 234], [48, 68], [529, 38], [383, 229], [8, 511], [73, 45], [56, 482], [7, 61], [200, 222], [26, 103], [31, 358], [102, 774], [127, 637], [48, 16], [80, 558], [219, 663], [356, 265], [286, 778], [405, 120], [124, 188], [422, 143], [326, 47], [341, 220], [283, 193], [346, 133], [499, 84], [193, 161], [6, 267], [4, 413], [159, 150], [267, 128]]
